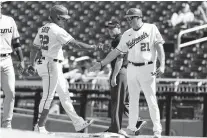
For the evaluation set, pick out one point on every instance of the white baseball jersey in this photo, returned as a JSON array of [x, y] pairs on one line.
[[8, 32], [50, 38], [140, 44]]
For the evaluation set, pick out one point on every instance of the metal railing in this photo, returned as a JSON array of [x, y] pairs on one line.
[[85, 96], [179, 45]]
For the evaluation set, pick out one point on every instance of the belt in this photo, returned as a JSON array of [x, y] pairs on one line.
[[5, 55], [55, 60], [141, 64]]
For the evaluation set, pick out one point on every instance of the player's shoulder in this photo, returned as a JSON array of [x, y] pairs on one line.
[[127, 32], [8, 18], [56, 29], [53, 28], [149, 25]]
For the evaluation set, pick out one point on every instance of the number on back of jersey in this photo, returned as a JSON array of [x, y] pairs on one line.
[[44, 40]]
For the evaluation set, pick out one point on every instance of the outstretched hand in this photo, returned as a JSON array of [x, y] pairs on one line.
[[99, 46], [113, 81], [159, 71], [95, 67]]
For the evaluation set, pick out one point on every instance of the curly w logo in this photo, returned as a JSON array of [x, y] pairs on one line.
[[134, 41]]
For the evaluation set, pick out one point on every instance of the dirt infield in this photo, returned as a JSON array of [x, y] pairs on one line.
[[6, 133]]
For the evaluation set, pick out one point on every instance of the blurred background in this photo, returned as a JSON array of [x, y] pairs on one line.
[[181, 90]]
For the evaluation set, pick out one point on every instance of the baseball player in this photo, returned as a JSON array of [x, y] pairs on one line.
[[9, 41], [144, 43], [118, 81], [50, 39]]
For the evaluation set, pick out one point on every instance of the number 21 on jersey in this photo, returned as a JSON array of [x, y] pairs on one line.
[[145, 47], [44, 40]]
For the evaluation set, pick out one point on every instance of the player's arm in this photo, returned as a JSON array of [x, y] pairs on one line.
[[33, 54], [34, 51], [67, 40], [17, 47], [80, 45], [161, 57], [118, 64], [111, 56], [158, 43], [122, 48]]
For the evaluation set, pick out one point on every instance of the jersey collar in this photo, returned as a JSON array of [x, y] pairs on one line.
[[138, 28]]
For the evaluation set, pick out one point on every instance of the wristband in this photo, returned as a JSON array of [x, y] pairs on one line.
[[16, 45]]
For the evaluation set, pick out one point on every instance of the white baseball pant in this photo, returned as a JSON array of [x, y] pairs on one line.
[[53, 80], [8, 87], [140, 78]]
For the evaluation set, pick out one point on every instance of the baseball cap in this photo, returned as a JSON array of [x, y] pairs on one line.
[[61, 11], [133, 12], [112, 23]]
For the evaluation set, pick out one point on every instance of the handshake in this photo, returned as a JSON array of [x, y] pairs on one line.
[[99, 46]]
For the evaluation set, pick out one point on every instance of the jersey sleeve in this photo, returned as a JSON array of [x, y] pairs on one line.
[[121, 55], [15, 30], [36, 41], [64, 37], [158, 37], [122, 46]]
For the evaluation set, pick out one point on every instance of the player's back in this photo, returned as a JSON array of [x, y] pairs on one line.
[[48, 39]]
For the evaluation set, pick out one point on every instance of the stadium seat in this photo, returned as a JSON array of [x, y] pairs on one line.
[[101, 4], [87, 4], [202, 75]]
